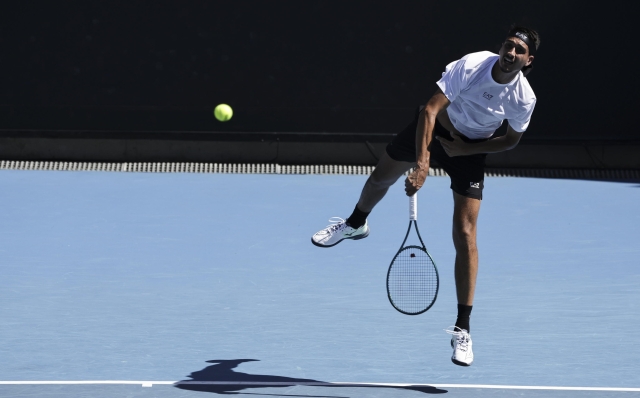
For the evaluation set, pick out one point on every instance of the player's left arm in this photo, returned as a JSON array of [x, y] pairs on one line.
[[458, 147]]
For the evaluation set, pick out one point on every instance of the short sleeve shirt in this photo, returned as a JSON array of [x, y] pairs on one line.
[[479, 105]]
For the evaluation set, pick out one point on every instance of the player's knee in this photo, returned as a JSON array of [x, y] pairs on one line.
[[464, 235], [378, 181]]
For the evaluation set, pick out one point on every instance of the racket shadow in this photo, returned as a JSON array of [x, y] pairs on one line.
[[221, 378]]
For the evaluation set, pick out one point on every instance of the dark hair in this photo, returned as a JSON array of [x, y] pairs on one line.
[[532, 34]]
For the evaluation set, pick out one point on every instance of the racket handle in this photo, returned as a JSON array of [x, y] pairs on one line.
[[413, 207]]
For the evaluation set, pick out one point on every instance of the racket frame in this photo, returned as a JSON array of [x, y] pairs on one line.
[[413, 221]]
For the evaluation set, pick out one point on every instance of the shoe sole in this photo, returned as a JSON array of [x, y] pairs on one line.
[[354, 238], [460, 363]]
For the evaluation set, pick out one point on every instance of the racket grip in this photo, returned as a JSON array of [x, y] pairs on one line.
[[413, 207]]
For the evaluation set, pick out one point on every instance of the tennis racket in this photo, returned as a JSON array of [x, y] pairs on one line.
[[412, 279]]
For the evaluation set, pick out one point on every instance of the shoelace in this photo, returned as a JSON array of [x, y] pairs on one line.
[[337, 223], [462, 336]]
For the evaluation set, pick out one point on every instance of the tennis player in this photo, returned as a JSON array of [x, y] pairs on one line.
[[474, 96]]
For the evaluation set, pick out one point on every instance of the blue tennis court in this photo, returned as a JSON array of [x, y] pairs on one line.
[[122, 284]]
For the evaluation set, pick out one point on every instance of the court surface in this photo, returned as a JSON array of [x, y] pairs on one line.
[[211, 278]]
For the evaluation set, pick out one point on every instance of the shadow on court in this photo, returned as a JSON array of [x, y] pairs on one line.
[[223, 372]]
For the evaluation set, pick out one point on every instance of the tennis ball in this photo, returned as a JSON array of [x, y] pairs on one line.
[[223, 112]]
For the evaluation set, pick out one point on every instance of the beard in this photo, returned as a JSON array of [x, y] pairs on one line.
[[506, 68]]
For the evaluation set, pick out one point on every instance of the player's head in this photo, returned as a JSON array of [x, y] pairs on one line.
[[518, 49]]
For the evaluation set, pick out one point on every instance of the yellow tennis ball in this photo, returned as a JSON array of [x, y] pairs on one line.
[[223, 112]]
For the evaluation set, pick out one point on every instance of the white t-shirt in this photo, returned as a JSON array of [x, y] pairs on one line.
[[479, 105]]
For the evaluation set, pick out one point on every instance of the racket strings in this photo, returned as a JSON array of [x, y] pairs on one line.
[[412, 281]]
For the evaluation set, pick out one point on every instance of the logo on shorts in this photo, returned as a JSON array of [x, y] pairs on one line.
[[487, 95], [475, 185]]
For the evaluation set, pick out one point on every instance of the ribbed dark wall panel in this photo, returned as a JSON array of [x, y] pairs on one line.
[[311, 66]]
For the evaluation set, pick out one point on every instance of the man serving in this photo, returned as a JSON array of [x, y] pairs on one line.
[[475, 95]]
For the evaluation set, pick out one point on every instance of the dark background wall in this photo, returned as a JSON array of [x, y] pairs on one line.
[[301, 66]]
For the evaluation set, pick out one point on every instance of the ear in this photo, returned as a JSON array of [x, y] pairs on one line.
[[530, 60]]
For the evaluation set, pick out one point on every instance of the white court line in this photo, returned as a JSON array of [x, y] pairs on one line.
[[149, 383]]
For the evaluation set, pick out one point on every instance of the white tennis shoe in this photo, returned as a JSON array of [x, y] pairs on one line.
[[462, 346], [338, 231]]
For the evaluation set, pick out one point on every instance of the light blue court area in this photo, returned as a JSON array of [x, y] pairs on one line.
[[211, 278]]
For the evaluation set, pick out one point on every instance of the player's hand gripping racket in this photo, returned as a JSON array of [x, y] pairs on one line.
[[412, 279]]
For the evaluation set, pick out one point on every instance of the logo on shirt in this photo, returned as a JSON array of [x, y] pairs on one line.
[[487, 95]]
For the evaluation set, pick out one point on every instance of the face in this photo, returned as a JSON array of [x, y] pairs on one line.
[[514, 55]]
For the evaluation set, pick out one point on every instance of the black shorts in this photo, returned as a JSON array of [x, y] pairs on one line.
[[466, 172]]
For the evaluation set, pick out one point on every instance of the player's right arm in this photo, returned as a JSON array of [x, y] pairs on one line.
[[424, 135]]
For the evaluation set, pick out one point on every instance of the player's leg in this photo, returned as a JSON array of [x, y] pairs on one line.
[[467, 183], [400, 156], [355, 226], [386, 173], [465, 217]]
